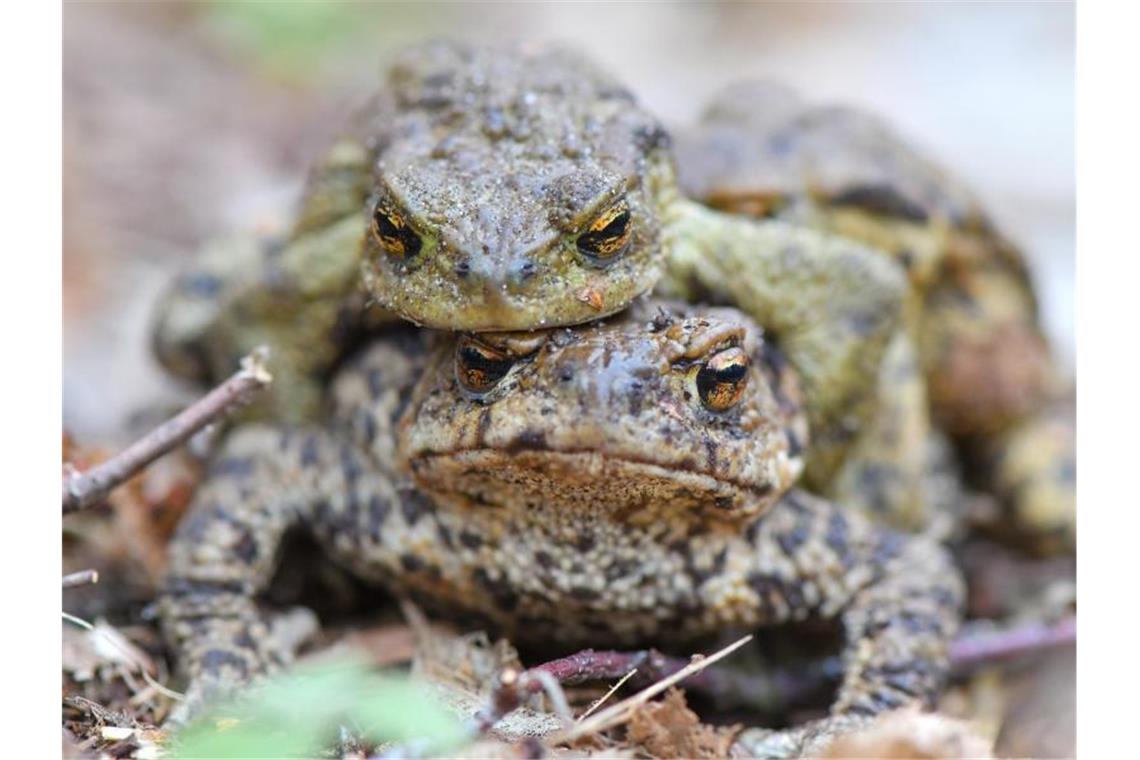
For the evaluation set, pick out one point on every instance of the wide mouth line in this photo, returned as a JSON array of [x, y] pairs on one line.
[[665, 469]]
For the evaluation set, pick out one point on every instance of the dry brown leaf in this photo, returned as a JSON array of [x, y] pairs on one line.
[[85, 651], [670, 729], [149, 506]]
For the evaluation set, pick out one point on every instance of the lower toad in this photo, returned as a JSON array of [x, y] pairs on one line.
[[615, 484]]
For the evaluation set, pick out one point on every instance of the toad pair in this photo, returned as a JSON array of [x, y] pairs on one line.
[[628, 481]]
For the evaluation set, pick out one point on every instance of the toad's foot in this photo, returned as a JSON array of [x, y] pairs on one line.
[[225, 554]]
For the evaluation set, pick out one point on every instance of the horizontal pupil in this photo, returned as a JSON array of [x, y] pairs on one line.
[[618, 225], [398, 237], [731, 374], [411, 242], [718, 386], [607, 240], [387, 227]]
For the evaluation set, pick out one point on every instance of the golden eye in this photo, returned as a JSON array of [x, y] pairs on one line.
[[722, 379], [608, 235], [393, 233], [479, 367]]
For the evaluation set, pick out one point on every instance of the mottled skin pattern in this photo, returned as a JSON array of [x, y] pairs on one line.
[[589, 495], [299, 297], [464, 191], [499, 161], [1032, 469], [832, 305], [896, 469], [761, 151]]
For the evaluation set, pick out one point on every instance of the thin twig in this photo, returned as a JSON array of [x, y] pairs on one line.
[[983, 647], [779, 687], [165, 691], [621, 712], [553, 690], [768, 690], [84, 489], [595, 665], [81, 578], [508, 692], [505, 696]]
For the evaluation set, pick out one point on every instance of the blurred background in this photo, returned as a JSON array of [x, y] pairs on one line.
[[185, 120]]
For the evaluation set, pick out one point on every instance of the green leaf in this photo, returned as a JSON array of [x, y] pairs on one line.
[[297, 713]]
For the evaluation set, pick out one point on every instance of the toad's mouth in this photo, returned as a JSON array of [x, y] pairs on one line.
[[583, 480]]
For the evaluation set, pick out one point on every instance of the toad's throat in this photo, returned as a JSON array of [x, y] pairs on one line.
[[585, 480]]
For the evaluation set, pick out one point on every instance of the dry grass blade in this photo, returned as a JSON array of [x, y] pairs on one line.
[[621, 712], [602, 700]]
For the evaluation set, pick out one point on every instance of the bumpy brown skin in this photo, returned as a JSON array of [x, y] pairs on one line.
[[301, 297], [894, 469], [499, 160], [762, 151], [833, 306], [1032, 467], [589, 497]]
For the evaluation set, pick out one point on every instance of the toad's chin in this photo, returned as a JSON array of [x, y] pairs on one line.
[[585, 480]]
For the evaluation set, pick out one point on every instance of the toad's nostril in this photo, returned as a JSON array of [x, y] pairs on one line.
[[519, 275], [463, 268]]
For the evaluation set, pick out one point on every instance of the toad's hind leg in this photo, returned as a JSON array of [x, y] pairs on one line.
[[899, 599], [224, 553], [996, 388], [1031, 467]]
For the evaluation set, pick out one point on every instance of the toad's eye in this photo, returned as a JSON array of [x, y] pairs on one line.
[[607, 236], [392, 232], [479, 367], [721, 380]]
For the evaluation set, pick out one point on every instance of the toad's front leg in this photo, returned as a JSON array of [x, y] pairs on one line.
[[899, 598], [834, 307], [263, 482], [300, 297]]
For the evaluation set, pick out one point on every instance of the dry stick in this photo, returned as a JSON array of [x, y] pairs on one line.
[[767, 690], [983, 647], [81, 578], [512, 684], [621, 712], [594, 665], [783, 686], [507, 693], [84, 489]]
